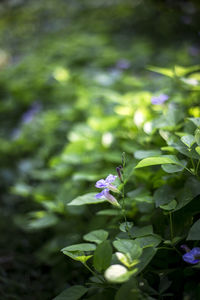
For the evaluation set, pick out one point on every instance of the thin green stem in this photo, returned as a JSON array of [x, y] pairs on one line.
[[93, 273], [171, 226], [173, 249], [189, 171], [177, 250], [197, 167], [193, 165], [123, 195]]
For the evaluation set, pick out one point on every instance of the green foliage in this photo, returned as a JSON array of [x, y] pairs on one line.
[[102, 256], [77, 81], [73, 293]]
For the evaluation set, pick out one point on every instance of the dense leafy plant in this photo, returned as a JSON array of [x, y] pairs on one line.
[[77, 91], [154, 212]]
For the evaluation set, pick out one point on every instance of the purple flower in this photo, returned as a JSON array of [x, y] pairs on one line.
[[192, 256], [28, 116], [106, 185], [101, 184], [159, 99], [105, 194], [123, 64]]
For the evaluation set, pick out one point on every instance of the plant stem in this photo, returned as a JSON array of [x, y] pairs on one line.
[[193, 165], [123, 195], [171, 226], [93, 273], [197, 167], [173, 249]]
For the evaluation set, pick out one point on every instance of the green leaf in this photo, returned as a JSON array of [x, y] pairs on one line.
[[80, 247], [174, 168], [163, 195], [47, 221], [73, 293], [77, 255], [129, 247], [197, 136], [144, 198], [158, 160], [145, 258], [195, 121], [194, 233], [86, 199], [125, 226], [190, 190], [126, 260], [118, 274], [96, 236], [149, 241], [129, 291], [138, 232], [182, 148], [140, 154], [170, 206], [108, 212], [188, 140], [102, 256], [163, 71], [197, 149]]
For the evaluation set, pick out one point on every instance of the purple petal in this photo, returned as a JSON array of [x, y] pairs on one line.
[[193, 256], [101, 184], [196, 252], [110, 198], [123, 64], [159, 99], [110, 178], [186, 248], [100, 195]]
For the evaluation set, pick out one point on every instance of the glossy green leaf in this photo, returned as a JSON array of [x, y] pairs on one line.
[[126, 226], [149, 241], [197, 136], [140, 154], [96, 236], [86, 199], [163, 195], [145, 258], [194, 233], [188, 140], [80, 247], [129, 247], [126, 260], [170, 206], [141, 231], [190, 190], [73, 293], [195, 121], [102, 256], [158, 160], [197, 149], [108, 212], [129, 291], [77, 255], [174, 168]]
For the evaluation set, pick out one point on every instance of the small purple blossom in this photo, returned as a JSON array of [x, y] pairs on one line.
[[28, 116], [191, 256], [101, 184], [123, 64], [106, 185], [119, 172], [105, 194], [156, 100]]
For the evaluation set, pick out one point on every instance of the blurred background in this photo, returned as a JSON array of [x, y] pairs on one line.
[[75, 91]]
